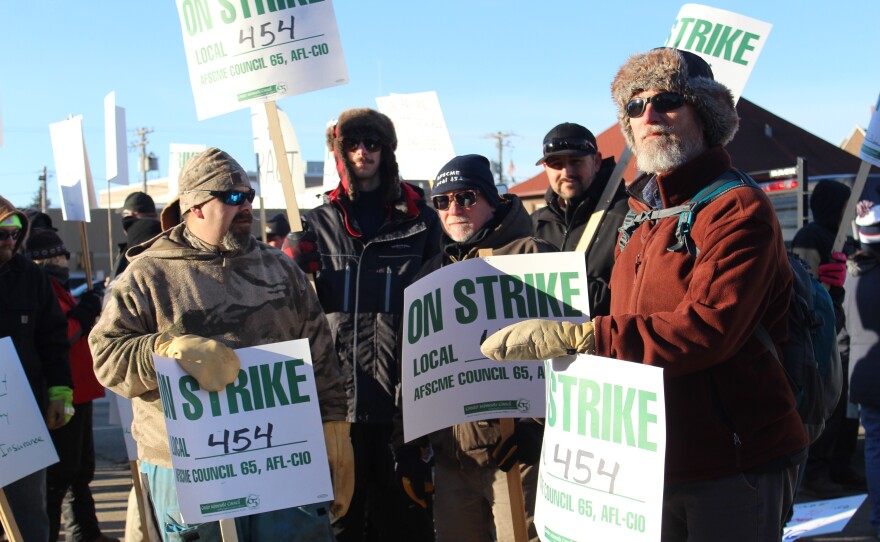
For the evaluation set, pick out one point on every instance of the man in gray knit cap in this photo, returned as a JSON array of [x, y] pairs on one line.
[[734, 438], [195, 293]]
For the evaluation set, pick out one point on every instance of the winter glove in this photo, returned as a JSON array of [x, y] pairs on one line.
[[302, 246], [340, 455], [87, 310], [413, 474], [833, 273], [60, 408], [539, 340], [523, 446], [213, 364]]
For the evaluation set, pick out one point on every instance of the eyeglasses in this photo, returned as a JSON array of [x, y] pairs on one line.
[[350, 144], [233, 197], [465, 199], [568, 144], [6, 234], [663, 102]]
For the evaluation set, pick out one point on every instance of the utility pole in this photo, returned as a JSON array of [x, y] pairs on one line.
[[144, 165], [501, 139], [43, 177]]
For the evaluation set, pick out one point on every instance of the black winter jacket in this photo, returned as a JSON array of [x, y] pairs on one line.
[[862, 307], [564, 230], [360, 287]]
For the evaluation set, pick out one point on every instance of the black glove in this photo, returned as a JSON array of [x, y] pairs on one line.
[[413, 474], [523, 446], [87, 310], [302, 246]]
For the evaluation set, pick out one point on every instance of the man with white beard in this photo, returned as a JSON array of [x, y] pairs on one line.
[[696, 304]]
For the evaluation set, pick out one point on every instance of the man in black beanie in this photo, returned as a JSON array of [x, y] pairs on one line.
[[137, 205], [471, 501], [365, 244]]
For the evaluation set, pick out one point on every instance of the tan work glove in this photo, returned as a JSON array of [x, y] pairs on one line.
[[539, 340], [213, 364], [340, 455]]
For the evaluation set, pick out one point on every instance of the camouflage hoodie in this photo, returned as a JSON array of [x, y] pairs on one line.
[[177, 283]]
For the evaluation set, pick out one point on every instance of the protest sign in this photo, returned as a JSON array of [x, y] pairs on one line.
[[121, 414], [602, 460], [269, 186], [870, 151], [729, 42], [816, 518], [179, 153], [72, 169], [236, 452], [240, 55], [115, 142], [423, 142], [447, 315], [25, 445]]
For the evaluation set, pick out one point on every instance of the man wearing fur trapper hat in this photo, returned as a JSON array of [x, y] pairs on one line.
[[734, 438], [365, 244], [195, 293]]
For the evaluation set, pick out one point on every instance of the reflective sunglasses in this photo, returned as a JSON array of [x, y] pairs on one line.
[[14, 234], [350, 144], [568, 144], [663, 102], [233, 197], [465, 199]]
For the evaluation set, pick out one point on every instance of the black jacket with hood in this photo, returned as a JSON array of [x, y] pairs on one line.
[[563, 228]]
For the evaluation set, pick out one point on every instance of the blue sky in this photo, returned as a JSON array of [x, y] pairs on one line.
[[510, 66]]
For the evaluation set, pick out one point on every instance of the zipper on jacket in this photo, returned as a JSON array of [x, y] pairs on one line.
[[388, 289], [638, 263], [347, 289], [736, 440]]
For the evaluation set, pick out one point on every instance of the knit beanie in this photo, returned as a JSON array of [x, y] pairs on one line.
[[869, 226], [357, 124], [468, 172], [43, 244], [212, 169], [672, 70]]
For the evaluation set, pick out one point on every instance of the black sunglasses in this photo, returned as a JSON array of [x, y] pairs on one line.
[[233, 197], [568, 144], [15, 234], [663, 102], [465, 199], [350, 144]]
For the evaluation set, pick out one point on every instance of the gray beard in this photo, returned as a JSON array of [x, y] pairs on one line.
[[667, 153], [235, 242]]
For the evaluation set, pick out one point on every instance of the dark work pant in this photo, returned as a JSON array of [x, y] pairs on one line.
[[67, 482], [379, 511]]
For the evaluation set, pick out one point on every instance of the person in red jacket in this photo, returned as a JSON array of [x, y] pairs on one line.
[[734, 438], [67, 481]]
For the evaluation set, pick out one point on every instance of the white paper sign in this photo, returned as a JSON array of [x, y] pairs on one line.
[[255, 447], [179, 153], [729, 42], [331, 175], [115, 142], [602, 461], [424, 145], [241, 54], [821, 517], [121, 414], [25, 445], [269, 186], [449, 313], [72, 169], [870, 151]]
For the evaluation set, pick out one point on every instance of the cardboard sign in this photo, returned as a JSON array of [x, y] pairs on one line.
[[870, 151], [179, 153], [449, 313], [25, 445], [115, 142], [72, 169], [240, 54], [602, 460], [269, 186], [729, 42], [424, 145], [255, 447]]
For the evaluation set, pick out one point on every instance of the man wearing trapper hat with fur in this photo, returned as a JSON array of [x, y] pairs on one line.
[[195, 293], [734, 438]]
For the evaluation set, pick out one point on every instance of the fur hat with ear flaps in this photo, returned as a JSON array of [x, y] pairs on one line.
[[672, 70], [360, 123]]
